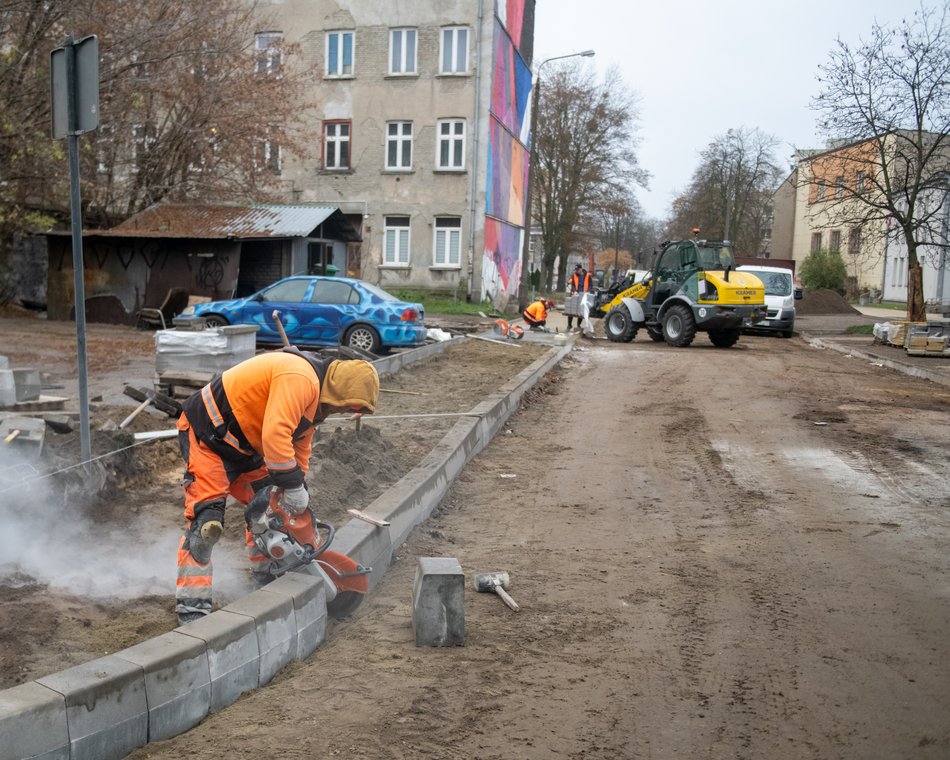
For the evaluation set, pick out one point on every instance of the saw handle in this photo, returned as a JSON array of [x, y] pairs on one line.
[[506, 597]]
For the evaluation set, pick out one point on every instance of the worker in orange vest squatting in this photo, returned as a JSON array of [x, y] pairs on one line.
[[536, 314], [248, 429]]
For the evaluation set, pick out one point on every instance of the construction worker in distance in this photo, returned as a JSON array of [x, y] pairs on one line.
[[250, 428], [579, 283], [536, 314]]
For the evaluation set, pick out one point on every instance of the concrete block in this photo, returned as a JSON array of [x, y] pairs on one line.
[[177, 682], [438, 602], [7, 388], [370, 545], [27, 382], [310, 608], [106, 707], [234, 655], [33, 723], [276, 624]]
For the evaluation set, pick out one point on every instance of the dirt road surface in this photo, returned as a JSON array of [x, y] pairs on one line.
[[732, 553]]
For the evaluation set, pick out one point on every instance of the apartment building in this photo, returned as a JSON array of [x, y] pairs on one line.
[[423, 119]]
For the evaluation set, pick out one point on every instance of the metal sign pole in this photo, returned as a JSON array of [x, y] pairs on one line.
[[78, 268]]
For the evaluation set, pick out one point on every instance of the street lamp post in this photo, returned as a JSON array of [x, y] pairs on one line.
[[535, 99]]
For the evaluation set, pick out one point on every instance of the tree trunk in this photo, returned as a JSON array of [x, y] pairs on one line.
[[916, 310]]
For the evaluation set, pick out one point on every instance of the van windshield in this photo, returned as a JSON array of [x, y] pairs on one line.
[[776, 283]]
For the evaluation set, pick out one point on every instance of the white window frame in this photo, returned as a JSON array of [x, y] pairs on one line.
[[453, 56], [403, 145], [447, 238], [270, 154], [333, 142], [407, 53], [336, 68], [267, 47], [455, 143], [396, 241]]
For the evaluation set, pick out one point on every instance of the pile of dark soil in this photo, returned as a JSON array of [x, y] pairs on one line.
[[823, 301]]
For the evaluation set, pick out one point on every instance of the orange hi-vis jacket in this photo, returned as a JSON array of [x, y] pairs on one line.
[[264, 407], [536, 311], [579, 283]]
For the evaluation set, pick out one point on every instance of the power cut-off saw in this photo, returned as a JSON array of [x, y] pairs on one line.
[[295, 541]]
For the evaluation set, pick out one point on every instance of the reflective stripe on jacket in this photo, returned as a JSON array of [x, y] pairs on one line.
[[536, 311]]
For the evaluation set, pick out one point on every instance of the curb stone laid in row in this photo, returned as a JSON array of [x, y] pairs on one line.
[[166, 685]]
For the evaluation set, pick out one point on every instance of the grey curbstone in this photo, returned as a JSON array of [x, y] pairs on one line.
[[234, 655], [309, 598], [391, 364], [368, 544], [177, 682], [33, 723], [106, 707], [276, 625], [438, 602]]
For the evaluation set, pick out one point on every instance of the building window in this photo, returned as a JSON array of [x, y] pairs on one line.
[[399, 145], [839, 188], [860, 184], [447, 251], [454, 50], [270, 155], [267, 48], [821, 189], [854, 241], [451, 144], [834, 241], [336, 145], [402, 51], [396, 241], [339, 54], [815, 241]]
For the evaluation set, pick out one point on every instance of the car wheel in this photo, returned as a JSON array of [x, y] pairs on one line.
[[679, 327], [724, 338], [619, 326], [787, 333], [215, 320], [362, 337]]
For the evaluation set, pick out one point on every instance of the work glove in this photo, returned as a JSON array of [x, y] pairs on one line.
[[295, 500]]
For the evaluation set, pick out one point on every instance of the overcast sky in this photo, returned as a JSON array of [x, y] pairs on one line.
[[701, 67]]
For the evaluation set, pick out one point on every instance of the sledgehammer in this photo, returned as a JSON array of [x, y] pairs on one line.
[[496, 582]]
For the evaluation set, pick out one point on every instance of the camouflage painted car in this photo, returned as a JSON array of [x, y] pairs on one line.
[[322, 311]]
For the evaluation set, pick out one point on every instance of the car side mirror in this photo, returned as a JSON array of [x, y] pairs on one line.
[[799, 293], [259, 297]]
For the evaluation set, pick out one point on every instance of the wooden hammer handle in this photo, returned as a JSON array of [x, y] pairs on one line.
[[506, 598]]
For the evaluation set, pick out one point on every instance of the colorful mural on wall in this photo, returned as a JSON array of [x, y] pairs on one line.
[[511, 87], [517, 16], [501, 264], [507, 175]]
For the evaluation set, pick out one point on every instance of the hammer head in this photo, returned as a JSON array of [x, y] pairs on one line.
[[490, 581]]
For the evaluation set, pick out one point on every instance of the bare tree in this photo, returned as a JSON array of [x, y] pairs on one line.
[[192, 105], [890, 97], [585, 155], [729, 196]]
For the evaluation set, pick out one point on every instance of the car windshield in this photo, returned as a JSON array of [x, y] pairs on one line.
[[716, 257], [776, 283], [379, 292]]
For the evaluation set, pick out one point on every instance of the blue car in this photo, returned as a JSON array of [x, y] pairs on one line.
[[322, 311]]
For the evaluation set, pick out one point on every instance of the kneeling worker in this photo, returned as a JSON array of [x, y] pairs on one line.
[[250, 428], [536, 314]]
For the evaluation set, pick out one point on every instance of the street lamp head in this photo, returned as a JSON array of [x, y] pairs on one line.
[[587, 53]]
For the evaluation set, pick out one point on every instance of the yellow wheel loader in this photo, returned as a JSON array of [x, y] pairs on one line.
[[692, 287]]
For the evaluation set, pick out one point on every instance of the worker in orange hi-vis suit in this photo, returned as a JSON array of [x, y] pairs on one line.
[[251, 428], [536, 313]]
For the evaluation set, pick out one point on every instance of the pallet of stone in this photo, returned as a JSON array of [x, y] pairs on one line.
[[40, 404], [160, 401], [180, 384]]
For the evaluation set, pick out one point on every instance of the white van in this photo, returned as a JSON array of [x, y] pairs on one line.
[[780, 296]]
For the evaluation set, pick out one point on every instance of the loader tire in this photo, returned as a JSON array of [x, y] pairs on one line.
[[679, 327], [618, 325], [724, 338], [656, 334]]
